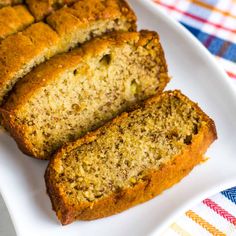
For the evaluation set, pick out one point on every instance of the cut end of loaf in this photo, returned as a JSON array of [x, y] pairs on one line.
[[106, 76], [129, 160]]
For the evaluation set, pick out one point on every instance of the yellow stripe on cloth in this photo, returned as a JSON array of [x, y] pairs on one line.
[[204, 224], [211, 8], [179, 230]]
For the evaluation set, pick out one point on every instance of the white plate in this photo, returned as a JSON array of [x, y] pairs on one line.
[[194, 72]]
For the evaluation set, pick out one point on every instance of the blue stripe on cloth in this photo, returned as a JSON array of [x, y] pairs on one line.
[[231, 52], [230, 194], [215, 46], [216, 43]]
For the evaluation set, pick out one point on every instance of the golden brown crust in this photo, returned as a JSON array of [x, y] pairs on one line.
[[50, 70], [41, 9], [19, 131], [82, 13], [154, 183], [14, 19]]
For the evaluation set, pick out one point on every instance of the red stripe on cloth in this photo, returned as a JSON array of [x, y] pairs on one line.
[[220, 211], [195, 17], [230, 74]]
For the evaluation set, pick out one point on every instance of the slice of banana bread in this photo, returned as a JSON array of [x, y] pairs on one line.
[[14, 19], [78, 91], [129, 160], [19, 53], [4, 3], [41, 9]]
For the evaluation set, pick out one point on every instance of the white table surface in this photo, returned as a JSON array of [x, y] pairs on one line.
[[6, 227]]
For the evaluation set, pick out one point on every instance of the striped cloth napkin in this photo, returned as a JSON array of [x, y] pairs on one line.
[[213, 22]]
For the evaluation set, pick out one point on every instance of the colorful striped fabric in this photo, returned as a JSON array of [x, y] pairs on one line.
[[213, 22]]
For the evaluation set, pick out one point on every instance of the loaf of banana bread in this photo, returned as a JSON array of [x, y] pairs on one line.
[[129, 160], [14, 19], [67, 27], [75, 92]]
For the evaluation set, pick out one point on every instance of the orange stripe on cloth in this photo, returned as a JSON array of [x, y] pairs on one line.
[[212, 8], [204, 224], [179, 230]]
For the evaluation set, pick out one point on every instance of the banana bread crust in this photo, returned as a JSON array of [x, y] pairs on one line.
[[49, 71], [14, 19], [41, 9], [154, 183], [83, 12]]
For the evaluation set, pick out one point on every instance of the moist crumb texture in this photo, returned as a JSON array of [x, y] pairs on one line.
[[121, 155], [144, 140], [79, 91], [61, 31]]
